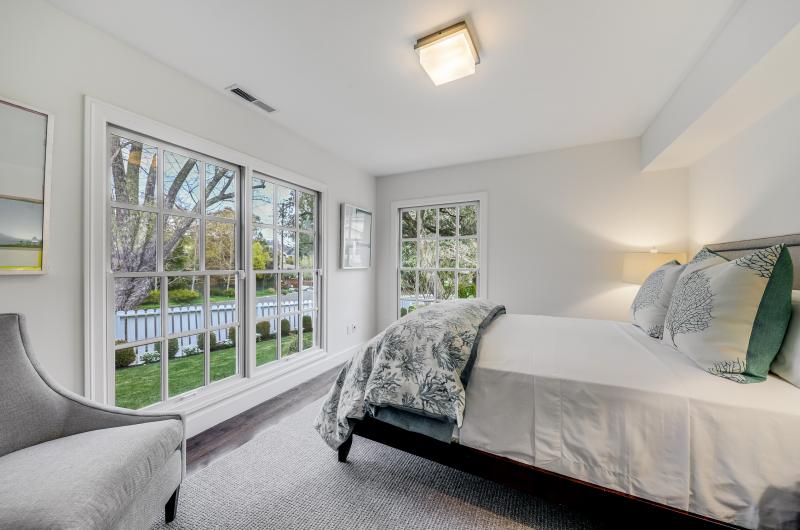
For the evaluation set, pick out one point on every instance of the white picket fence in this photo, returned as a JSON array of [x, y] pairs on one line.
[[142, 324], [408, 301]]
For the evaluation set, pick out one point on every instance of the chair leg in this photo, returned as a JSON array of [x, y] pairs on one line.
[[171, 508], [344, 449]]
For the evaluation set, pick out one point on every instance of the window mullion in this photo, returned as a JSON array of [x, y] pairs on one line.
[[162, 287]]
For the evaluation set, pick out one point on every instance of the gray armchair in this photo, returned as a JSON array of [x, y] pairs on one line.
[[66, 462]]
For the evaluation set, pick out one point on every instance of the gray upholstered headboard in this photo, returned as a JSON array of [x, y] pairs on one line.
[[736, 249]]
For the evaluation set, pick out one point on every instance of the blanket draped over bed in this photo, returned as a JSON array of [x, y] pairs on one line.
[[420, 364]]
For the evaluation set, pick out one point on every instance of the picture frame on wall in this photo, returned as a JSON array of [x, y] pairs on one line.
[[356, 237], [26, 147]]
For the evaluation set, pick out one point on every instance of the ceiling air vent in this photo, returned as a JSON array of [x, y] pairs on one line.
[[246, 96]]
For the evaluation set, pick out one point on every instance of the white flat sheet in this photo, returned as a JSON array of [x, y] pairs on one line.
[[603, 402]]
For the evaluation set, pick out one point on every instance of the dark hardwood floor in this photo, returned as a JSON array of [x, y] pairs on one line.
[[209, 445]]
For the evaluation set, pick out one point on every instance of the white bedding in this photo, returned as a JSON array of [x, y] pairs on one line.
[[603, 402]]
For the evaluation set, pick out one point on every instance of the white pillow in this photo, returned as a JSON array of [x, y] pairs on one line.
[[787, 362], [730, 317], [649, 308]]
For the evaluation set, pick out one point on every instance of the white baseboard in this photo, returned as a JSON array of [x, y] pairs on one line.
[[203, 418]]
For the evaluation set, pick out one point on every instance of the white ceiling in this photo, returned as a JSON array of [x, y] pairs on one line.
[[344, 74]]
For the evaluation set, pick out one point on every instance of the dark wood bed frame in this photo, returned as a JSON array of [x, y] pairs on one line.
[[620, 509]]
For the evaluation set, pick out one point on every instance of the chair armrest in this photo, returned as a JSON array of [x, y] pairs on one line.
[[73, 414], [84, 415]]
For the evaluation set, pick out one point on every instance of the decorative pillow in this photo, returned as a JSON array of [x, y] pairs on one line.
[[649, 308], [787, 363], [730, 317]]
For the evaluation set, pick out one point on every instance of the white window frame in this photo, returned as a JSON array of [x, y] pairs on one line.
[[277, 271], [98, 117], [482, 198]]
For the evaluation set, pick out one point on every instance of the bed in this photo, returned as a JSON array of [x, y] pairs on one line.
[[597, 411]]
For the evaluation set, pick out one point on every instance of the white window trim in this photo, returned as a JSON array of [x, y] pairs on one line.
[[482, 198], [98, 115]]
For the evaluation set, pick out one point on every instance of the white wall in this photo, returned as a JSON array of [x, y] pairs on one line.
[[50, 60], [559, 223], [750, 186]]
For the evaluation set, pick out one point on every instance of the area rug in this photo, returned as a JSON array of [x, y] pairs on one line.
[[287, 478]]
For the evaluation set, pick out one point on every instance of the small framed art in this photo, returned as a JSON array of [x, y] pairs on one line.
[[356, 237], [26, 145]]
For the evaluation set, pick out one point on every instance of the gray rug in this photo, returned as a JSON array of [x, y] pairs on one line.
[[288, 478]]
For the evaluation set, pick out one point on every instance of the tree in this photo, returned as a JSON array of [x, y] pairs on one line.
[[220, 246], [285, 239], [409, 221], [762, 262], [262, 259], [649, 291], [691, 306], [306, 214], [134, 170]]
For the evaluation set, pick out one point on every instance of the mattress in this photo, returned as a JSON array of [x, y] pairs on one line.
[[603, 402]]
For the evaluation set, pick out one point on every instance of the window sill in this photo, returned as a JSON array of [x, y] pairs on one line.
[[225, 399]]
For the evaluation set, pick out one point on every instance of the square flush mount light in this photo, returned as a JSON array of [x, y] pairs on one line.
[[448, 54]]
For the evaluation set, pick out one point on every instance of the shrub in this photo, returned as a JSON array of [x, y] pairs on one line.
[[285, 327], [262, 328], [201, 342], [212, 341], [232, 335], [467, 290], [151, 357], [403, 311], [307, 324], [181, 282], [124, 357], [224, 293], [152, 298], [411, 308], [183, 296], [192, 350], [172, 348]]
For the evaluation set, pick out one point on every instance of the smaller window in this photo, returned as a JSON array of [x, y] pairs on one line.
[[439, 254], [285, 249]]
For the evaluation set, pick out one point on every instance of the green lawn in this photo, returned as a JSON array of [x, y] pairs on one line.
[[139, 386]]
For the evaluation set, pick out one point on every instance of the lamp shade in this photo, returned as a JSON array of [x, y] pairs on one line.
[[637, 266]]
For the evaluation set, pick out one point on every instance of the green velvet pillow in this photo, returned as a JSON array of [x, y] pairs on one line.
[[730, 317]]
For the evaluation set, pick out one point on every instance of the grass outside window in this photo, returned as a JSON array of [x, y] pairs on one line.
[[139, 386]]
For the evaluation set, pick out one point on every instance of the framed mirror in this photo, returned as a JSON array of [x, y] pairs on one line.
[[26, 145], [356, 237]]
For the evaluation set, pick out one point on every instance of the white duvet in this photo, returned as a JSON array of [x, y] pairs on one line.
[[603, 402]]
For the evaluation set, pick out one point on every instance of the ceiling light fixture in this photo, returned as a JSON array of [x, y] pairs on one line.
[[448, 54]]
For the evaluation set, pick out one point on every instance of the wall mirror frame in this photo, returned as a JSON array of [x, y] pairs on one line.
[[26, 153]]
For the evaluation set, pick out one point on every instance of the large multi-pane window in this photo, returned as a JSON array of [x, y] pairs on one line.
[[284, 232], [438, 254], [204, 266], [174, 256]]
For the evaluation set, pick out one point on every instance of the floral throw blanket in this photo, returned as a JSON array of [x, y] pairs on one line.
[[420, 364]]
